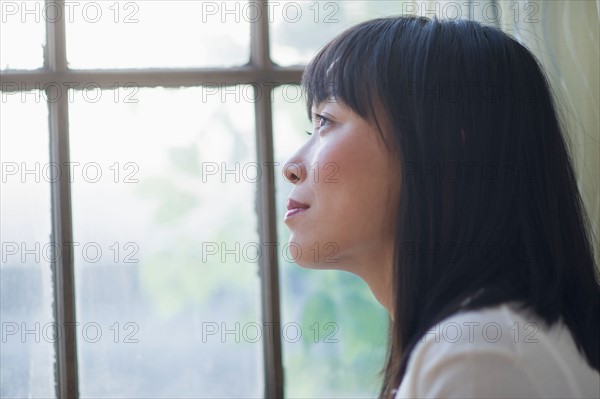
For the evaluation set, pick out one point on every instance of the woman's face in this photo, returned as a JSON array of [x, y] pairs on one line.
[[346, 185]]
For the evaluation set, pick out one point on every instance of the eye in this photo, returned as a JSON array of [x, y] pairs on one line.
[[309, 133], [320, 121]]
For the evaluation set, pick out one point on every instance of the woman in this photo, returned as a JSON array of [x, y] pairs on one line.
[[439, 172]]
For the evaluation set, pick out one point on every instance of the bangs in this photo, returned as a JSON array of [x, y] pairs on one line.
[[340, 71], [355, 68]]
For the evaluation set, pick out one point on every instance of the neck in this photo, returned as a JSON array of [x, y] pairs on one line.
[[378, 274]]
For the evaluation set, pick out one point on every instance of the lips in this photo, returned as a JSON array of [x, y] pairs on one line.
[[295, 207]]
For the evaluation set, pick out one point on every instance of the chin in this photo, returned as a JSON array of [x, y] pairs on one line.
[[306, 264], [309, 254], [310, 264]]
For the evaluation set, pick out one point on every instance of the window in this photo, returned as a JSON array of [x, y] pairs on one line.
[[143, 253], [137, 211]]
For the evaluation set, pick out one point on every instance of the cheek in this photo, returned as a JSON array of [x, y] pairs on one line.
[[350, 184], [345, 157], [330, 164], [353, 173]]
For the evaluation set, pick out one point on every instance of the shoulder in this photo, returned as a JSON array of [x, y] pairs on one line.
[[501, 351]]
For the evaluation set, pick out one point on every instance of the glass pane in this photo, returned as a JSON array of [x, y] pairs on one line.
[[300, 28], [22, 33], [166, 235], [26, 316], [154, 34], [343, 327]]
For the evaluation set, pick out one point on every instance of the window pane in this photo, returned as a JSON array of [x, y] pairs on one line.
[[154, 34], [166, 271], [344, 328], [300, 28], [28, 329], [22, 33]]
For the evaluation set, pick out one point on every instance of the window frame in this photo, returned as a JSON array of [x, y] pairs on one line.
[[260, 72]]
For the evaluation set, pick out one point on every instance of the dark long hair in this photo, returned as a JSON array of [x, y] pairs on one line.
[[489, 210]]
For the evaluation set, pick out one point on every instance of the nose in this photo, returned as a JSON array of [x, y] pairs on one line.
[[293, 171]]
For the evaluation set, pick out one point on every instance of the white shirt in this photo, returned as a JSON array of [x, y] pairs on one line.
[[498, 352]]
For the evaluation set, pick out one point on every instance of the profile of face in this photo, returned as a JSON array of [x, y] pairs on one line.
[[340, 211]]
